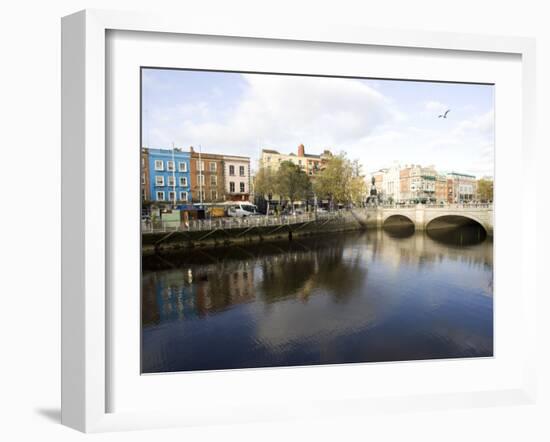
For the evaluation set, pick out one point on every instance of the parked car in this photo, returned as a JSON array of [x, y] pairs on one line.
[[241, 210]]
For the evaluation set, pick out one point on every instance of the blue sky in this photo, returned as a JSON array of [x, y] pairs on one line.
[[378, 122]]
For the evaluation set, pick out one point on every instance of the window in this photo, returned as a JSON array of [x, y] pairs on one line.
[[213, 166], [171, 181], [160, 196], [213, 180], [172, 196], [159, 165], [200, 179], [241, 170], [201, 195], [200, 165], [183, 166], [214, 194], [183, 196], [241, 187], [170, 166], [143, 195], [142, 179], [183, 181], [232, 170], [231, 187], [159, 180]]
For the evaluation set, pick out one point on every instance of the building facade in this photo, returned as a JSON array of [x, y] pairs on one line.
[[169, 176], [145, 174], [441, 194], [418, 183], [461, 187], [424, 184], [236, 172], [207, 177], [311, 164], [388, 183]]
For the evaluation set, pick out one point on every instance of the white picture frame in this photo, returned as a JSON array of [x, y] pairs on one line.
[[85, 217]]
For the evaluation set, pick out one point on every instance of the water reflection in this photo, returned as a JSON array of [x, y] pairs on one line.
[[374, 296], [464, 236]]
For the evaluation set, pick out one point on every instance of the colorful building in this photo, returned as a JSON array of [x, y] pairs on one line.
[[145, 183], [207, 181], [237, 177], [418, 183], [169, 176], [441, 188]]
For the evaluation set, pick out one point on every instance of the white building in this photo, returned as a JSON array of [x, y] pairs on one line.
[[387, 182], [237, 178]]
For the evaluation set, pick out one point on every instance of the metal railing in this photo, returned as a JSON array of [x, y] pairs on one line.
[[439, 206], [228, 223]]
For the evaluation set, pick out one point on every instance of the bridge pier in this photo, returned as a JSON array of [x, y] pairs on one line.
[[419, 218]]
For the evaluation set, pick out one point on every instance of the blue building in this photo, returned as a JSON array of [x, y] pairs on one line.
[[170, 176]]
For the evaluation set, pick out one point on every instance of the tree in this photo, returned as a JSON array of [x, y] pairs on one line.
[[357, 185], [292, 182], [265, 184], [341, 181], [485, 190]]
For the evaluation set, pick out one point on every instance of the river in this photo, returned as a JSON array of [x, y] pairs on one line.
[[341, 298]]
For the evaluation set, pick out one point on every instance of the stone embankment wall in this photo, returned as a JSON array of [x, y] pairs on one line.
[[223, 237]]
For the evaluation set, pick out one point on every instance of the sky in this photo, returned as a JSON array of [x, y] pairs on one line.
[[378, 122]]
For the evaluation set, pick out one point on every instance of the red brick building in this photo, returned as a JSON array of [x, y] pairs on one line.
[[207, 176]]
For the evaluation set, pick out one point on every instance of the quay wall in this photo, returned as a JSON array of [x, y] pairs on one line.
[[181, 239], [254, 230]]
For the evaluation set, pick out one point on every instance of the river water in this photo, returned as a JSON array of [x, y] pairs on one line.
[[342, 298]]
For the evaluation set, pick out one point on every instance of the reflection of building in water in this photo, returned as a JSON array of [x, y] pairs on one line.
[[223, 286], [167, 296], [184, 294]]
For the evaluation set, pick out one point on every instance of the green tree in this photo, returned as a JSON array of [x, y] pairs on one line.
[[265, 184], [341, 181], [357, 184], [292, 182], [485, 190]]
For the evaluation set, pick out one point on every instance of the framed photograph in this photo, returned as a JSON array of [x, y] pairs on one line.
[[277, 223]]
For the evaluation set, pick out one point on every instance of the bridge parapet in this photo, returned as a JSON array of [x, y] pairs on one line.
[[421, 215]]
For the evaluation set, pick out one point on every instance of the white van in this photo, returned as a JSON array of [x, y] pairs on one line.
[[241, 210]]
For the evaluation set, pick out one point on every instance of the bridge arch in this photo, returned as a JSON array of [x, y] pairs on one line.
[[454, 220], [398, 220]]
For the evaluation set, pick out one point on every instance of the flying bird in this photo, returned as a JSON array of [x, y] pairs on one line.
[[445, 114]]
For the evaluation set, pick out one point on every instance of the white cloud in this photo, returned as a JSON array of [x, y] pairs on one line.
[[483, 124], [435, 107], [348, 115], [280, 112]]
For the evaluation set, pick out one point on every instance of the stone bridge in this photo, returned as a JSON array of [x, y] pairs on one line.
[[422, 215]]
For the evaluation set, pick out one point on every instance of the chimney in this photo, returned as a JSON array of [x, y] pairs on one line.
[[301, 151], [191, 149]]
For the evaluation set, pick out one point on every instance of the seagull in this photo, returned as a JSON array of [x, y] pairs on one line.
[[445, 114]]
